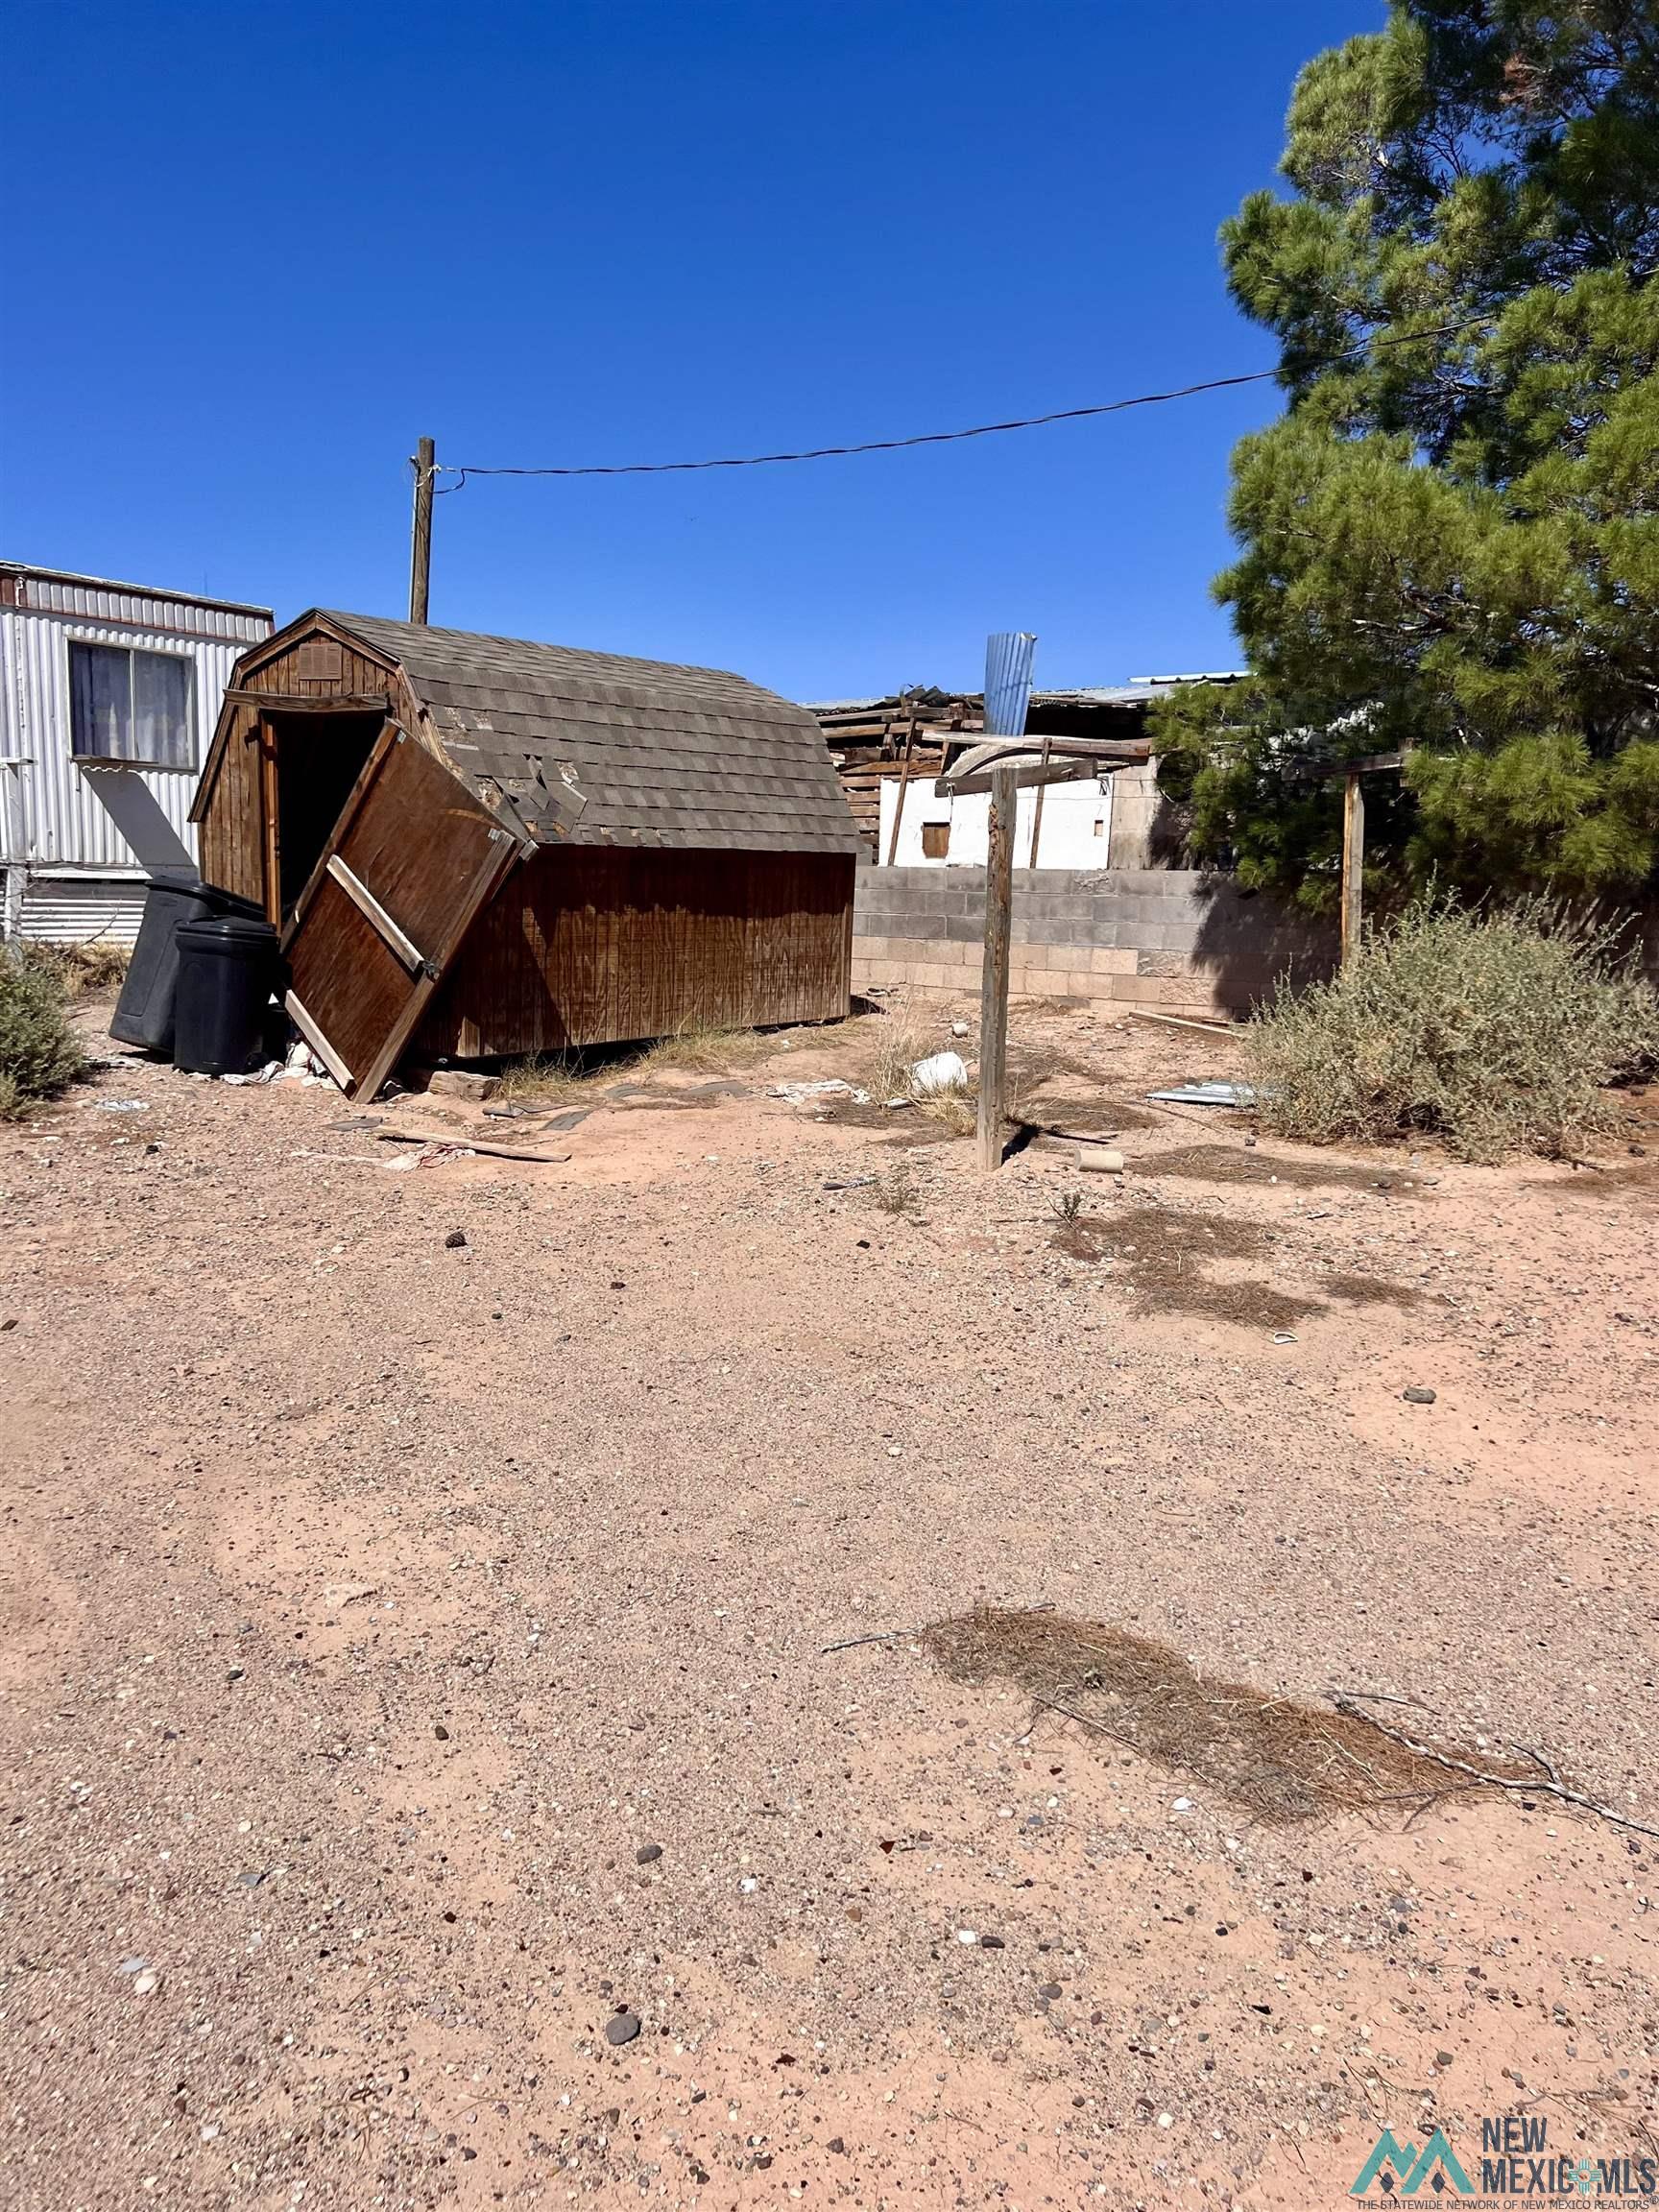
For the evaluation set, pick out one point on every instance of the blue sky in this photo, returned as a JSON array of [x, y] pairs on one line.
[[251, 253]]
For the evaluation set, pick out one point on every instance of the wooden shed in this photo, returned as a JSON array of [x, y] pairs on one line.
[[477, 847]]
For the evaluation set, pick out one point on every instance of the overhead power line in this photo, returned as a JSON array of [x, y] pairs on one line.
[[978, 430]]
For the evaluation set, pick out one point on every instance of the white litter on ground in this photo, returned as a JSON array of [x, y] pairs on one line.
[[1207, 1095], [831, 1087], [942, 1072]]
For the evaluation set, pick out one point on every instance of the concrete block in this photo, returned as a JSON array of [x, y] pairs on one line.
[[1165, 964], [1107, 960], [1074, 982]]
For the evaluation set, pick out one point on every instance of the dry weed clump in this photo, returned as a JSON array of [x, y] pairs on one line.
[[889, 1074], [702, 1050], [1276, 1758], [84, 969], [898, 1191], [1497, 1031], [545, 1077], [39, 1056]]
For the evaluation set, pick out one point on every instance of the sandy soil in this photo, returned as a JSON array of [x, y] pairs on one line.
[[415, 1652]]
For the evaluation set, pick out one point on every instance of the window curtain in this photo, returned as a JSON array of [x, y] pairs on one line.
[[160, 730], [100, 702]]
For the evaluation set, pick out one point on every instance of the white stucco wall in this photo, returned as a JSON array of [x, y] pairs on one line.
[[1076, 824]]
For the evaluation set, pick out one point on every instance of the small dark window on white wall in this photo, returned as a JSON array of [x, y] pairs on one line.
[[935, 840], [130, 706]]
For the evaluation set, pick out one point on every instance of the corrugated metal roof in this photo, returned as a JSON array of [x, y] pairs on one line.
[[147, 606], [600, 749], [1134, 694]]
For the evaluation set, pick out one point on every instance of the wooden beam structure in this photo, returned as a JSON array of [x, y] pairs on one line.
[[994, 986], [1353, 894]]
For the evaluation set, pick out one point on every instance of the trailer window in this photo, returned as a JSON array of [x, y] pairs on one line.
[[125, 704]]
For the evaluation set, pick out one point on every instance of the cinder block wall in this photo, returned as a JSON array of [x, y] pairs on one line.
[[1176, 940]]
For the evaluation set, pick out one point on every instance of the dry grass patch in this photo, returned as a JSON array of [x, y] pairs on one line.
[[887, 1072], [1227, 1164], [705, 1051], [1277, 1759], [1371, 1291], [573, 1077], [547, 1078], [1164, 1257], [87, 970]]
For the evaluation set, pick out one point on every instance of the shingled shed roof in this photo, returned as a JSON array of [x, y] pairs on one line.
[[596, 749]]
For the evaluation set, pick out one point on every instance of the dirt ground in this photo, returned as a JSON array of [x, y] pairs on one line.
[[422, 1654]]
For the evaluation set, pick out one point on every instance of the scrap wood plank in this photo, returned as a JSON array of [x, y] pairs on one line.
[[364, 900], [465, 1143]]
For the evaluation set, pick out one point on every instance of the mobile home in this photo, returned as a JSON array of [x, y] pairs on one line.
[[108, 696]]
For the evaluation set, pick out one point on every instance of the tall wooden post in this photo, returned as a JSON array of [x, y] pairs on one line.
[[1036, 804], [1353, 863], [421, 547], [904, 783], [994, 989]]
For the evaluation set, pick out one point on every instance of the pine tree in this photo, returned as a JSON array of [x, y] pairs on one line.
[[1449, 541]]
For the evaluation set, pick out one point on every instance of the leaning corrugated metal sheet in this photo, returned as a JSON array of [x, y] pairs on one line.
[[1008, 659]]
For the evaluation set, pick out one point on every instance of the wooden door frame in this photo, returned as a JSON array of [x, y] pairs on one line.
[[390, 732], [270, 821]]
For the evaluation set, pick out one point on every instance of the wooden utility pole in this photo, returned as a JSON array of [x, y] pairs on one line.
[[1353, 863], [994, 990], [420, 548]]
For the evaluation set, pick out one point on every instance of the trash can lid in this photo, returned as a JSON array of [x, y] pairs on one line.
[[223, 928]]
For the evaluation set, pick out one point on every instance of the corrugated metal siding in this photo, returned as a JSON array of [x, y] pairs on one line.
[[50, 815], [1008, 661], [82, 910]]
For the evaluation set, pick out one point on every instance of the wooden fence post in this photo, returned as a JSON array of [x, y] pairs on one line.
[[994, 989], [1353, 863]]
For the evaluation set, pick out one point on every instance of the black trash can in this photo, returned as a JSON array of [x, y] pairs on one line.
[[144, 1011], [226, 973]]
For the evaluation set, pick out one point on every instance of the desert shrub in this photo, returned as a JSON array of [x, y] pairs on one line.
[[1496, 1030], [38, 1054]]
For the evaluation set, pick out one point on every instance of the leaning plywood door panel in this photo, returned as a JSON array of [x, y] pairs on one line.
[[412, 860]]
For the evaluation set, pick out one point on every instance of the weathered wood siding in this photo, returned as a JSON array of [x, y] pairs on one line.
[[582, 946], [233, 826], [316, 666]]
